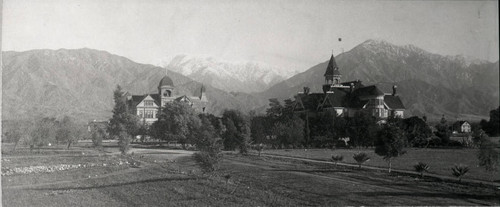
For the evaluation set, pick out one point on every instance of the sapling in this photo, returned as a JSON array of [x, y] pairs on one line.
[[459, 171], [361, 158], [421, 168], [337, 158]]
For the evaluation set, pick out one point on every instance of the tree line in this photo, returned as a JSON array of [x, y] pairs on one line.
[[44, 131]]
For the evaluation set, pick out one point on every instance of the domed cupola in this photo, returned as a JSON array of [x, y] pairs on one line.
[[166, 81], [165, 88]]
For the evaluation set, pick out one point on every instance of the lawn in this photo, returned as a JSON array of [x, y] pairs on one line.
[[163, 178], [439, 160]]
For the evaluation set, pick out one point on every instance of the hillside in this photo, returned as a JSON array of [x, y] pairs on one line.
[[80, 83], [429, 84]]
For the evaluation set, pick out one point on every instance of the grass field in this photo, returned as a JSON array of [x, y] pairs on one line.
[[160, 177], [439, 160]]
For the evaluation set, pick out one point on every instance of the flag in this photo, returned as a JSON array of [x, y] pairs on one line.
[[340, 39]]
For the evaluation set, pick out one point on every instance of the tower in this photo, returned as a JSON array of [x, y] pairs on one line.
[[166, 89], [332, 75]]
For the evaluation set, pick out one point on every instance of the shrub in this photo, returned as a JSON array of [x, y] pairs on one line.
[[361, 158], [488, 156], [208, 161], [337, 158], [421, 168], [124, 142], [459, 171]]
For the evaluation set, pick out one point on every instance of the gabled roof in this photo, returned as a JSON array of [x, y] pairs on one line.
[[368, 91], [355, 102], [138, 99], [393, 102], [156, 97], [335, 99], [332, 68], [180, 98], [460, 123]]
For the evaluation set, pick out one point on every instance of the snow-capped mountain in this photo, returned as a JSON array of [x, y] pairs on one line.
[[229, 76]]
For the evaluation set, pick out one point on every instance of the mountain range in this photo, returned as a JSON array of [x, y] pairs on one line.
[[229, 76], [80, 82], [429, 84]]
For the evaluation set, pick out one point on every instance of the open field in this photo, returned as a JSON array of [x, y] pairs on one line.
[[439, 160], [160, 177]]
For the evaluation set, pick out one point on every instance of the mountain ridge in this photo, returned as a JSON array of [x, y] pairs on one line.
[[380, 62], [80, 83]]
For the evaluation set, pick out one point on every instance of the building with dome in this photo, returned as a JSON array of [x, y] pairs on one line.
[[147, 106], [347, 98]]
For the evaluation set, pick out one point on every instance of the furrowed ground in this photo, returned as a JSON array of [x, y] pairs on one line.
[[159, 177]]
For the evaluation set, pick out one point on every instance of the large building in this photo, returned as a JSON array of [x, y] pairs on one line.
[[147, 106], [347, 98]]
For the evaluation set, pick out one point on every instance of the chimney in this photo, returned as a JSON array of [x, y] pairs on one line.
[[351, 87], [306, 90], [394, 87]]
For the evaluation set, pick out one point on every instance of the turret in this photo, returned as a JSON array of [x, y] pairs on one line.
[[165, 88], [332, 75]]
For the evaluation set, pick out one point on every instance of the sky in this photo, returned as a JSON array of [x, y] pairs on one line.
[[295, 34]]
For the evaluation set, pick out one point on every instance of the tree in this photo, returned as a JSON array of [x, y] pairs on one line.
[[15, 133], [43, 132], [258, 131], [361, 129], [492, 127], [97, 135], [209, 144], [417, 131], [289, 132], [237, 132], [323, 130], [123, 125], [337, 158], [478, 137], [230, 135], [68, 131], [443, 131], [275, 110], [176, 122], [390, 143], [487, 154], [361, 158], [421, 168], [459, 171]]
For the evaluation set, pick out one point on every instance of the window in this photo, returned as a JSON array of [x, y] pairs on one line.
[[148, 103], [141, 114], [167, 93], [149, 114]]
